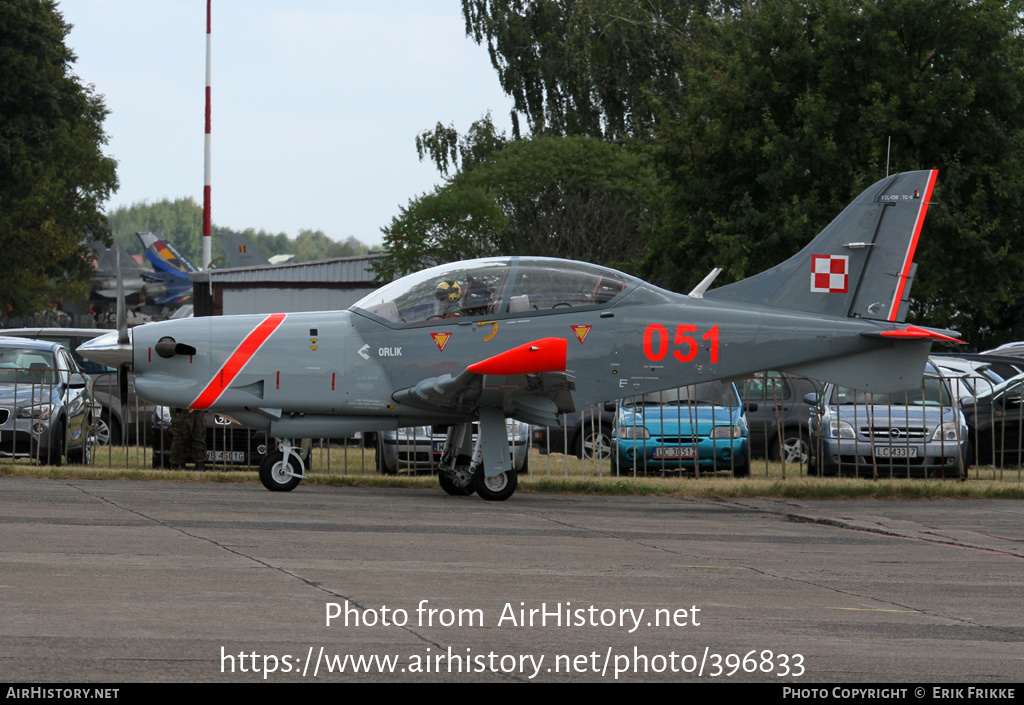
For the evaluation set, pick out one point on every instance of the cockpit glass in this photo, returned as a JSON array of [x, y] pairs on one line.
[[494, 287]]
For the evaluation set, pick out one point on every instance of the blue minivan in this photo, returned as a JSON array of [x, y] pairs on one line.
[[701, 426]]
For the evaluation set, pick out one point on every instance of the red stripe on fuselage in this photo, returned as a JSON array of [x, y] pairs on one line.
[[237, 361], [909, 261]]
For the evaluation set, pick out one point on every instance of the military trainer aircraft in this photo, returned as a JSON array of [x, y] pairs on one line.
[[530, 338]]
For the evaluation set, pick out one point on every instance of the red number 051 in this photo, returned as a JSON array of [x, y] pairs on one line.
[[684, 347]]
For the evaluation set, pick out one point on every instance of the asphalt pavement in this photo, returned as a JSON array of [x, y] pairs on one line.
[[123, 581]]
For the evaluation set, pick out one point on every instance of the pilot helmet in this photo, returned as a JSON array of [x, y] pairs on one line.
[[448, 291]]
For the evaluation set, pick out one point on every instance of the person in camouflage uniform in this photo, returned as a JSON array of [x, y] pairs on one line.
[[188, 438]]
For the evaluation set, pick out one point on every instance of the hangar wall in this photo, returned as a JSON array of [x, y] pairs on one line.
[[278, 300]]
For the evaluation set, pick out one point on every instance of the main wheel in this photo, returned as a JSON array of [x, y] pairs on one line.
[[461, 485], [451, 487], [742, 470], [274, 474], [495, 489]]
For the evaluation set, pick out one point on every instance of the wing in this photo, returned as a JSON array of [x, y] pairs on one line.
[[529, 383]]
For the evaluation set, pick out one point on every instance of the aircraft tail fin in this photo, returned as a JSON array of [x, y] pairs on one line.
[[239, 252], [164, 256], [861, 265]]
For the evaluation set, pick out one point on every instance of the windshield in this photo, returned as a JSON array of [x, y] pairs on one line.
[[497, 286], [933, 392], [1013, 382], [704, 394], [27, 366]]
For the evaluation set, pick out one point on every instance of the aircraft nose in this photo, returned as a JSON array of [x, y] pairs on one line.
[[107, 351]]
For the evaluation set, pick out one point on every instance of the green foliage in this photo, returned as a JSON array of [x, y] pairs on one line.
[[573, 197], [53, 176], [181, 223], [762, 120], [446, 149], [590, 67], [788, 116]]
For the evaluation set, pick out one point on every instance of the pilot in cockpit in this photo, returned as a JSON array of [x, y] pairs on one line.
[[449, 295]]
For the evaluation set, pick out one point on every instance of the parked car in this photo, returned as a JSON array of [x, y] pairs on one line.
[[921, 433], [114, 423], [995, 423], [777, 415], [227, 441], [967, 377], [702, 425], [45, 407], [585, 434], [1006, 360], [418, 448]]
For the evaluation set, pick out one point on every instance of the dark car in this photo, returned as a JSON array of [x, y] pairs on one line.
[[45, 408], [995, 424], [585, 434], [777, 415], [114, 424], [227, 441]]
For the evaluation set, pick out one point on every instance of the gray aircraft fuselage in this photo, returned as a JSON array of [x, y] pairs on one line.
[[531, 338], [326, 372]]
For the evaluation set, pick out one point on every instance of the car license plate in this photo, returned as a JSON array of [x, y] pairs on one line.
[[895, 452], [674, 452], [225, 456], [437, 446]]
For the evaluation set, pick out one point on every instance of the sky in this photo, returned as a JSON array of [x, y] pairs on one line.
[[316, 104]]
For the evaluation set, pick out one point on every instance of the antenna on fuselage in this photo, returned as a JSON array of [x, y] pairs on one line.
[[698, 291]]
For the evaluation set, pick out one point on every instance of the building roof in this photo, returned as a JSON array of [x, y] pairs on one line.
[[339, 271]]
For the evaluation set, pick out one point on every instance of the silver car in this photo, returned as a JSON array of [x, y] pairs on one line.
[[113, 423], [45, 406], [419, 447], [921, 433]]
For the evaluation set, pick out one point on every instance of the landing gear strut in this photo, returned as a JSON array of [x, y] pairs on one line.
[[488, 471]]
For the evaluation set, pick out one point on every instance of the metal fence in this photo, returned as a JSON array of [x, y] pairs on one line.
[[976, 432]]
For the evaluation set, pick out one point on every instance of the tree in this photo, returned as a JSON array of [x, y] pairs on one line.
[[575, 197], [447, 149], [181, 222], [789, 114], [53, 175], [590, 67]]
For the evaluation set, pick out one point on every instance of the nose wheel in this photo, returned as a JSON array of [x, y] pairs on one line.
[[281, 470]]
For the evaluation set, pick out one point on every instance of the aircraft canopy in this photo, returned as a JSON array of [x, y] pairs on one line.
[[497, 287]]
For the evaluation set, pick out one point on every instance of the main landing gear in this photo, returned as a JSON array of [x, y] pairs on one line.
[[483, 466]]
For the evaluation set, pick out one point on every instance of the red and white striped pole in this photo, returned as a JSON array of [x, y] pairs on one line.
[[207, 251]]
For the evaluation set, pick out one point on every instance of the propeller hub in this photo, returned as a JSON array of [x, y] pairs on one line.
[[107, 350]]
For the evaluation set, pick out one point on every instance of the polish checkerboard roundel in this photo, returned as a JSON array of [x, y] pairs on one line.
[[830, 274]]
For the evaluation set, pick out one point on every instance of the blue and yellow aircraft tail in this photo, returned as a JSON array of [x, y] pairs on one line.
[[170, 266]]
